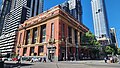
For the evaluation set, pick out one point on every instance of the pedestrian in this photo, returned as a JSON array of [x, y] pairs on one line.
[[44, 59], [32, 60], [105, 59], [40, 59], [111, 59], [19, 58]]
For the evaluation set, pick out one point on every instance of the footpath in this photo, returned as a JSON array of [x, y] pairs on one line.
[[80, 61]]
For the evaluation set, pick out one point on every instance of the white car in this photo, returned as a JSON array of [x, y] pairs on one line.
[[4, 59], [9, 59]]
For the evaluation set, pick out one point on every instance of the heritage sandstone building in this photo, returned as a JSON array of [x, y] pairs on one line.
[[53, 34]]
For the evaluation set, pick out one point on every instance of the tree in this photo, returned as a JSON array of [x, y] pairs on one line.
[[89, 41], [118, 51], [89, 38], [109, 50]]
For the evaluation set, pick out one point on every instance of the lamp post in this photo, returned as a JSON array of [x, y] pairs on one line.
[[66, 40], [66, 47]]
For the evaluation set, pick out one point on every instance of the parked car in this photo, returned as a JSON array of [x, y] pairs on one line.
[[4, 59], [9, 59], [0, 59]]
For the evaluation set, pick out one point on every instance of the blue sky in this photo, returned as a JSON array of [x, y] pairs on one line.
[[112, 8]]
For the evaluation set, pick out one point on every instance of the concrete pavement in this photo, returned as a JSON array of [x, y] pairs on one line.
[[68, 64]]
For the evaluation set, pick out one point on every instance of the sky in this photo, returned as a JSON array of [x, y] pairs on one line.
[[112, 8]]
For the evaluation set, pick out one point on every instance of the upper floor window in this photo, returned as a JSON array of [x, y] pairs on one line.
[[28, 37], [43, 33], [52, 30], [35, 35], [63, 30], [70, 34]]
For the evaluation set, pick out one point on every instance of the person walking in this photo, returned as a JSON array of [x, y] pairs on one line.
[[105, 59], [44, 59], [111, 59], [19, 59]]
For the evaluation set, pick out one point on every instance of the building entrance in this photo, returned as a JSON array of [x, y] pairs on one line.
[[51, 53]]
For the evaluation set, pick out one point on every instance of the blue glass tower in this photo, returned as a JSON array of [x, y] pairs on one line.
[[101, 27]]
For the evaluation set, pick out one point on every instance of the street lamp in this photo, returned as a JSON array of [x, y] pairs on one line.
[[66, 47], [66, 40]]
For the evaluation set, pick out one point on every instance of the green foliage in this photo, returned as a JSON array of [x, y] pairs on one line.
[[89, 38], [109, 50], [14, 55], [118, 51]]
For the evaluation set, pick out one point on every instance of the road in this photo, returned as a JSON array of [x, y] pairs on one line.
[[67, 65]]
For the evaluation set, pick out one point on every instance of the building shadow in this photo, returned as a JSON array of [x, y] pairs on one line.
[[12, 65]]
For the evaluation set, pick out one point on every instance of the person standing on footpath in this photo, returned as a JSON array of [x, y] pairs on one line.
[[105, 59]]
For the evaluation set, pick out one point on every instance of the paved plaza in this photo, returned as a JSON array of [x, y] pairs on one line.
[[68, 64]]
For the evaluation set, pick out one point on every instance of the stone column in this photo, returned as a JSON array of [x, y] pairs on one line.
[[28, 51], [36, 50], [24, 37], [73, 36], [38, 34], [78, 35], [31, 36]]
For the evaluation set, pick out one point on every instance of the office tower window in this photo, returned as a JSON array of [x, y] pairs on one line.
[[38, 7], [40, 49], [63, 30], [24, 51], [43, 33], [28, 3], [52, 30], [33, 8], [70, 34], [34, 35], [31, 51], [28, 37]]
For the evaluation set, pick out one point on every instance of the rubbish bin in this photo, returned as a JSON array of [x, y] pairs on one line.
[[1, 64]]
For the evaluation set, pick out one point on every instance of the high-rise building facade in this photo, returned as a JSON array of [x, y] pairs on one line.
[[5, 8], [101, 27], [113, 36], [74, 8], [21, 11]]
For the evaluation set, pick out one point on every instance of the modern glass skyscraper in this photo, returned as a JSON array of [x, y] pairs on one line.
[[20, 11], [74, 8], [5, 8], [113, 36], [101, 27]]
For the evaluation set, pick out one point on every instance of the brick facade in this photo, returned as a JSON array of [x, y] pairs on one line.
[[54, 46]]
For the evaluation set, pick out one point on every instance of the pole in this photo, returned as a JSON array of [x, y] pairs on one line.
[[66, 48]]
